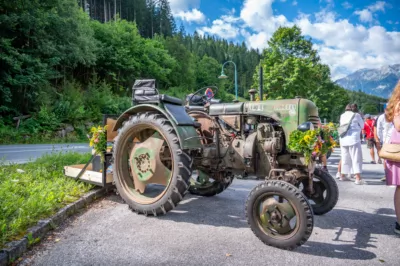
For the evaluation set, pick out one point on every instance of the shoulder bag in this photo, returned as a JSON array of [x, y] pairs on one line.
[[390, 151], [342, 129]]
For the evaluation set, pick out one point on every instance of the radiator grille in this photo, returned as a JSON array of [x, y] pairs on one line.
[[314, 120]]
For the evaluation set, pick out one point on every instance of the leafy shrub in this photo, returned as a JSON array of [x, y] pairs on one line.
[[99, 100], [71, 105], [30, 125], [47, 119]]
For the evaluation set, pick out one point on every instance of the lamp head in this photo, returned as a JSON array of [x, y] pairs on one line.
[[223, 76]]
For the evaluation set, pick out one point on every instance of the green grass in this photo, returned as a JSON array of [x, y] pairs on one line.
[[37, 193]]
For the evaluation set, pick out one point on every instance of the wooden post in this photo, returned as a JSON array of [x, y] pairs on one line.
[[115, 10], [19, 118], [105, 10]]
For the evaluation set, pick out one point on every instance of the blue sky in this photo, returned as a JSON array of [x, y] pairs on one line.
[[349, 35]]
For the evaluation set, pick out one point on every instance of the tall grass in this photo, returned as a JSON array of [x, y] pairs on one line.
[[37, 192]]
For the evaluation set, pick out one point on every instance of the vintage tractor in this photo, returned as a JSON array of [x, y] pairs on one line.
[[166, 147]]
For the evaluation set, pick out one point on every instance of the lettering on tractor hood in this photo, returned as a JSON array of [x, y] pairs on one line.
[[291, 108]]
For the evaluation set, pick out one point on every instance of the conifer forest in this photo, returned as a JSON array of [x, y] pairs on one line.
[[67, 62]]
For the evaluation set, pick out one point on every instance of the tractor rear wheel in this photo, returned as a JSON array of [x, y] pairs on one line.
[[279, 214], [151, 171]]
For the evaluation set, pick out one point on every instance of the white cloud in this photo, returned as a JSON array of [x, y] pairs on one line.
[[350, 47], [366, 15], [258, 40], [294, 3], [193, 15], [187, 10], [344, 46], [378, 6], [258, 15], [347, 5], [183, 5], [221, 27]]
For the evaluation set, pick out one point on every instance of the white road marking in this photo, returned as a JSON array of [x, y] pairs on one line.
[[61, 149]]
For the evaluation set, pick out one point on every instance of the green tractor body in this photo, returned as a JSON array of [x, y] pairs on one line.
[[200, 146]]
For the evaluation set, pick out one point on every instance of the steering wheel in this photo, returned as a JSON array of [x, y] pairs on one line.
[[205, 98]]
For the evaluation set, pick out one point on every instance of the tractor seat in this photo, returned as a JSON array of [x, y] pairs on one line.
[[157, 98], [144, 91]]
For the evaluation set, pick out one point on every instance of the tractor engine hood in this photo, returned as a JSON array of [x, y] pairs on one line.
[[290, 113]]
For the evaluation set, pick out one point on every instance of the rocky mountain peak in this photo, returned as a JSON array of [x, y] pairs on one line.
[[379, 81]]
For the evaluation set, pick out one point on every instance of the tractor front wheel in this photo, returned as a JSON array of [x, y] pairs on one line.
[[279, 214], [151, 171]]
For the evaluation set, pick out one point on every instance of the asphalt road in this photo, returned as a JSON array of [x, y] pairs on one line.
[[214, 231], [28, 152]]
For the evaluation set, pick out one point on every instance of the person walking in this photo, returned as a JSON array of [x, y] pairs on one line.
[[368, 130], [350, 145], [382, 132], [393, 168], [354, 108]]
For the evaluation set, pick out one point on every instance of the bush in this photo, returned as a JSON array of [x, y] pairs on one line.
[[99, 100], [70, 108], [47, 119]]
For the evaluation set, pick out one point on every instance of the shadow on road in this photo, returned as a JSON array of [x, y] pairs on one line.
[[353, 229], [362, 224], [343, 251]]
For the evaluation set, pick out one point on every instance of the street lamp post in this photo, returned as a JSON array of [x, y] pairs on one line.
[[223, 76]]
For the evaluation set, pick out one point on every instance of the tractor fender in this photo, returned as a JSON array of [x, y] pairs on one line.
[[187, 134]]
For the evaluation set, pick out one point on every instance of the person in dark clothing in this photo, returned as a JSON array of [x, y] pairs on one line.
[[368, 130]]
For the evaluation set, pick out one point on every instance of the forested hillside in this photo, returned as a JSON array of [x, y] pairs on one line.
[[66, 62]]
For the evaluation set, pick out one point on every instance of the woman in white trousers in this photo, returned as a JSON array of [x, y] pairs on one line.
[[350, 145]]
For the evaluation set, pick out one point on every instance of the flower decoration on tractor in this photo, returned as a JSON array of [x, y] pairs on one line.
[[313, 143], [98, 140]]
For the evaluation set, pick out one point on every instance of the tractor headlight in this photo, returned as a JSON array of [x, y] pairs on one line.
[[306, 126]]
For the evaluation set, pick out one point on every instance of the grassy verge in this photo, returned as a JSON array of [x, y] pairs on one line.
[[37, 192]]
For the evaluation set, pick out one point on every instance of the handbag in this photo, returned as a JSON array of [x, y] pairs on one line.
[[390, 152], [342, 129]]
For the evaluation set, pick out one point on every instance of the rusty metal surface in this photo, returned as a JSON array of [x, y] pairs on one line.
[[232, 120], [146, 166], [277, 215]]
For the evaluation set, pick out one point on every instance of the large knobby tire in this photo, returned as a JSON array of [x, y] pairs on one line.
[[326, 185], [181, 165], [304, 222], [211, 189]]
